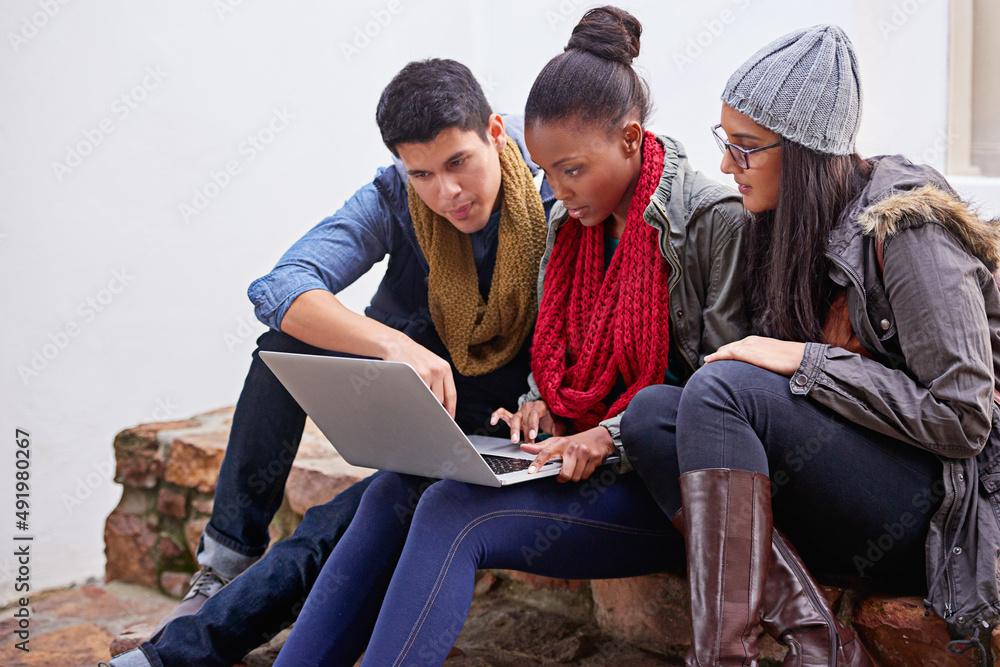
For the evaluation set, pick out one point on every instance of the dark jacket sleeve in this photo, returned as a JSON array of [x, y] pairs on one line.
[[942, 399]]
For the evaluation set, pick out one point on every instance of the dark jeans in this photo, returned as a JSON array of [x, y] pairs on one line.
[[263, 600], [264, 437], [263, 440], [607, 526], [853, 501], [267, 428]]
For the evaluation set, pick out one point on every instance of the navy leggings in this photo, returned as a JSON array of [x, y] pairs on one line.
[[853, 501], [441, 533]]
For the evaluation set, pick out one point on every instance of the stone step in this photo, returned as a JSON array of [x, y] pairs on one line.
[[169, 470]]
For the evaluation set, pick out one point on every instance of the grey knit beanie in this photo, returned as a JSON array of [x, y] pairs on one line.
[[803, 86]]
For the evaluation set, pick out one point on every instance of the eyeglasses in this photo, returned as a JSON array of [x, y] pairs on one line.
[[740, 155]]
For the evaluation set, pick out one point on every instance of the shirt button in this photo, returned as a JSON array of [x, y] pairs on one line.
[[885, 325], [958, 550], [801, 380]]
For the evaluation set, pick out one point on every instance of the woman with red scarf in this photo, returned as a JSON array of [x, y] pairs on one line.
[[639, 281]]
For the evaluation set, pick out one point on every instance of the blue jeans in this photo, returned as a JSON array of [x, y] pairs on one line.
[[264, 437], [607, 526], [263, 600], [266, 431], [853, 501]]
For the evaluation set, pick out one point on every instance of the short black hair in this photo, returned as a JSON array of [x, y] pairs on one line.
[[428, 96]]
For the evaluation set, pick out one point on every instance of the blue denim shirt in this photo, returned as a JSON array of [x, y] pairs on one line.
[[371, 224]]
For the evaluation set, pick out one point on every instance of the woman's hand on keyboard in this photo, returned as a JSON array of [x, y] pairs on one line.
[[533, 417], [581, 453]]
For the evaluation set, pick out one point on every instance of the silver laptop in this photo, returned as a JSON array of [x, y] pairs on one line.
[[380, 414]]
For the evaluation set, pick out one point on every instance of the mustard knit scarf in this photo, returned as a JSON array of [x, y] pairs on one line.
[[480, 336]]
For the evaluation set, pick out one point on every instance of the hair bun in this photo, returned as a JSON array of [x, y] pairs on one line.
[[607, 32]]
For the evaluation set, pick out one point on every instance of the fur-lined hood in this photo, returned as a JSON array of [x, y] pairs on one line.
[[895, 200]]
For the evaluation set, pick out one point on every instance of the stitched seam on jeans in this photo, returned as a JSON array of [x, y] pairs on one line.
[[411, 639]]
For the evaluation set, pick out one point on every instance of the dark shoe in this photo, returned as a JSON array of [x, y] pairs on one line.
[[205, 583], [727, 526], [795, 612]]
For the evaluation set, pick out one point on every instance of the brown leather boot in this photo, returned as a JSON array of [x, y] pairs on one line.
[[727, 524], [795, 612]]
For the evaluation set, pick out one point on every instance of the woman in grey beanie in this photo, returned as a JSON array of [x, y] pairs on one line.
[[860, 418]]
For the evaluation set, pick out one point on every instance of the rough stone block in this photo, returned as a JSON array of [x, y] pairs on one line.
[[129, 545], [317, 481], [131, 638], [202, 503], [651, 612], [83, 644], [195, 459], [88, 603], [137, 453], [192, 533], [168, 548], [136, 500], [896, 632], [172, 502], [540, 583], [486, 582]]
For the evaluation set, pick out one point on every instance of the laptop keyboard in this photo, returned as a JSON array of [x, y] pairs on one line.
[[504, 464]]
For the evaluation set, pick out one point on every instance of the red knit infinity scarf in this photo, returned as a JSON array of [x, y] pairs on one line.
[[592, 327]]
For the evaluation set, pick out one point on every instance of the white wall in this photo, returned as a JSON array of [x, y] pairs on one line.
[[167, 335]]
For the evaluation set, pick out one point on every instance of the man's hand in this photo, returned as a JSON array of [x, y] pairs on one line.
[[581, 453], [432, 369], [534, 416], [778, 356], [317, 317]]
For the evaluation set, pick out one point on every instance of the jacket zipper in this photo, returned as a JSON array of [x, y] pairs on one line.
[[852, 273], [820, 605], [949, 603]]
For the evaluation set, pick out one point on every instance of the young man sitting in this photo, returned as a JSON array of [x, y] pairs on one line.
[[463, 223]]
